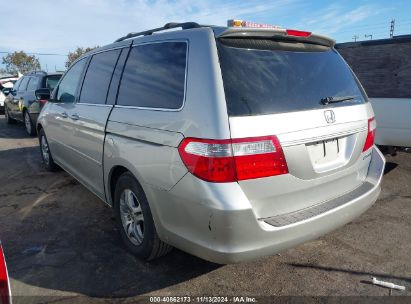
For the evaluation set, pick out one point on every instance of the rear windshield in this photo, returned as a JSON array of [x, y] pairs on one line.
[[266, 77], [51, 81]]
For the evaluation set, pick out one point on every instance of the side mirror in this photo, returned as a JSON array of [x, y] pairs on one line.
[[7, 91], [43, 94]]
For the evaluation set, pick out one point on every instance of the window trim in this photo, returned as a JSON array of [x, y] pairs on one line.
[[186, 41]]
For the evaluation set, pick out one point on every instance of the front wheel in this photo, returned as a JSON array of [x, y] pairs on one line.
[[45, 152], [134, 220], [29, 124]]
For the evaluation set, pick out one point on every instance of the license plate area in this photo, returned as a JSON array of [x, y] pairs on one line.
[[325, 152]]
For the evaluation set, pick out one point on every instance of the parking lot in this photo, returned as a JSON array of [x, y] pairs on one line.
[[60, 240]]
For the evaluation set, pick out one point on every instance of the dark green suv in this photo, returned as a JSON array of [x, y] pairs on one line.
[[23, 104]]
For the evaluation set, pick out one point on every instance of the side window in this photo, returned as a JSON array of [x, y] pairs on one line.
[[17, 84], [98, 77], [68, 86], [34, 81], [154, 76], [23, 84], [51, 81]]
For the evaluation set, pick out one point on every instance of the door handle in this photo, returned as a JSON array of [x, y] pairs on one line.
[[74, 117], [64, 115]]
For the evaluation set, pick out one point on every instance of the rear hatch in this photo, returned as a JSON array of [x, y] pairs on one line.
[[305, 94]]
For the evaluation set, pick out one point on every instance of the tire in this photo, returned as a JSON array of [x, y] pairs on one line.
[[142, 240], [48, 161], [9, 120], [31, 131]]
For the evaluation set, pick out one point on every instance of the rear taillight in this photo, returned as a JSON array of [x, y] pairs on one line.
[[369, 142], [4, 280], [232, 160]]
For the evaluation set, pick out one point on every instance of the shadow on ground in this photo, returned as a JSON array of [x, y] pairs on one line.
[[15, 130]]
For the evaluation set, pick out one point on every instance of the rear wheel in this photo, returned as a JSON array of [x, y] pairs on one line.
[[8, 118], [45, 152], [29, 124], [134, 220]]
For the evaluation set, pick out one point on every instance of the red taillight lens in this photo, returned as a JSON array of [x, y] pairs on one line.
[[298, 33], [369, 142], [4, 280], [232, 160]]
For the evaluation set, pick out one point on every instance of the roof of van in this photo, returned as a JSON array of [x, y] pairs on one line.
[[224, 31]]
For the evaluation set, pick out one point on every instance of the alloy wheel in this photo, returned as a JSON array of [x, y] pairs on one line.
[[45, 150], [132, 217]]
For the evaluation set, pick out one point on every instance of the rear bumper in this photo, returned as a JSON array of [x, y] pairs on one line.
[[223, 228]]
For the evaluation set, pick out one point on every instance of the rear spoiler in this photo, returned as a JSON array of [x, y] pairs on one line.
[[273, 33]]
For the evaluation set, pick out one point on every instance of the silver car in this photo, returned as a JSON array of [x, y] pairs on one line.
[[229, 143]]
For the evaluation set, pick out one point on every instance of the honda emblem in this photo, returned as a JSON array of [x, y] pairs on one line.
[[329, 116]]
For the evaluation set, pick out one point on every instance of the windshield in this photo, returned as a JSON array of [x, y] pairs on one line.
[[51, 81], [264, 77]]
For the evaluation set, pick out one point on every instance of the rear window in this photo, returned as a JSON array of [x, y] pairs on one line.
[[265, 77], [51, 81]]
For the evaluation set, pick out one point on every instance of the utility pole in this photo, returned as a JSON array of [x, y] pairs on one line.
[[355, 37], [392, 28], [366, 36]]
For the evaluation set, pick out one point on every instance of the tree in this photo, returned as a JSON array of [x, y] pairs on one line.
[[20, 62], [80, 51]]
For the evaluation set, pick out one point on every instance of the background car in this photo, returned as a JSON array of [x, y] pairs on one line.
[[5, 293], [6, 82], [383, 67], [22, 103]]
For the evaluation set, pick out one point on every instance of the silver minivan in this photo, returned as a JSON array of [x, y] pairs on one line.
[[229, 143]]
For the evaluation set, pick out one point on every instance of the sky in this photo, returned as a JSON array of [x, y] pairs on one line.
[[59, 26]]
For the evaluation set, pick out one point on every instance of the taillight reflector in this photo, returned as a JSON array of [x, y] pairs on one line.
[[298, 33], [233, 159], [369, 142]]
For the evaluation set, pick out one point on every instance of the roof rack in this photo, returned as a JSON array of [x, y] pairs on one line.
[[167, 26], [35, 73]]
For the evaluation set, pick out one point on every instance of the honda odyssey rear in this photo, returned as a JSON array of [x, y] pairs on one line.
[[229, 143], [300, 159]]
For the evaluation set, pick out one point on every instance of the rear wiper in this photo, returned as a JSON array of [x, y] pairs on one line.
[[328, 100]]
